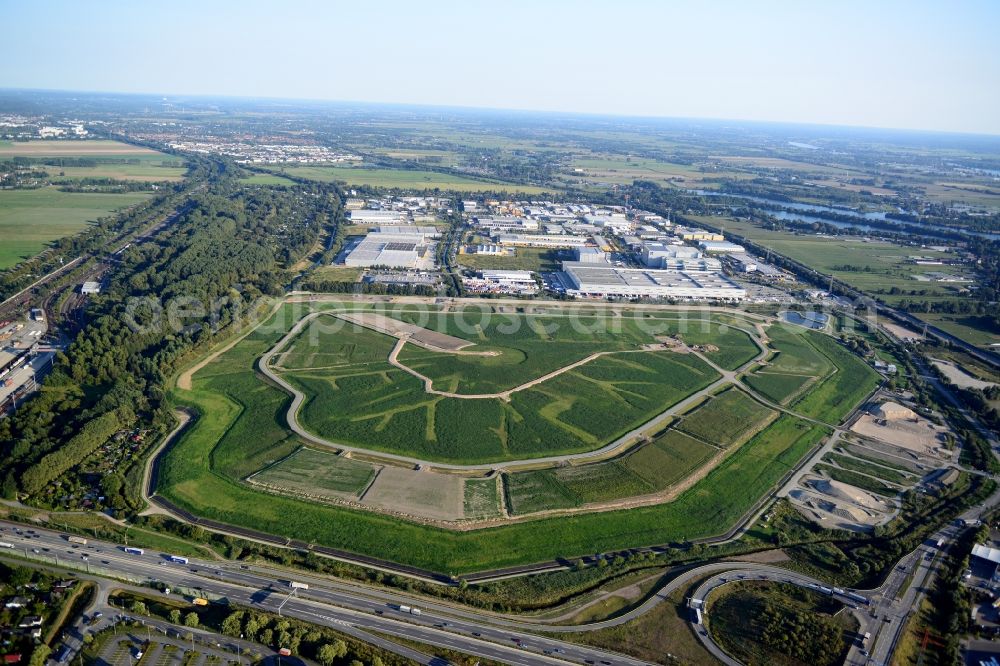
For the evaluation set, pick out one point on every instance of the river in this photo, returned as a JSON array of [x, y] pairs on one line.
[[773, 207]]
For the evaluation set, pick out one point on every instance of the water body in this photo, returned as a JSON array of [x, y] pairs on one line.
[[814, 320], [794, 205], [773, 206]]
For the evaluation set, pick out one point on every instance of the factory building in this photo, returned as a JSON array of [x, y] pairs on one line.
[[742, 263], [542, 240], [723, 247], [507, 224], [395, 250], [376, 216], [597, 281], [590, 255], [688, 234], [409, 230], [501, 282], [618, 224], [655, 255]]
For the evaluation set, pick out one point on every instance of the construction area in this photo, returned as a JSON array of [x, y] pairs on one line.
[[856, 480]]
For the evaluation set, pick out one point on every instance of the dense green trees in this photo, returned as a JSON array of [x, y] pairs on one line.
[[92, 435], [231, 245]]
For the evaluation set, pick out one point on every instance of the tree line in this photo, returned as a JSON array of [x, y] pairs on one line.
[[232, 245]]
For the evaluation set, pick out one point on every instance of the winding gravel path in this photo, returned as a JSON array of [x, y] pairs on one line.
[[298, 399]]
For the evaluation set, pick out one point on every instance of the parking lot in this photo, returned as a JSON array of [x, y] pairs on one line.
[[128, 647]]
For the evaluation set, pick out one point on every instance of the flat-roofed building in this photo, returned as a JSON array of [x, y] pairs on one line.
[[505, 224], [654, 255], [409, 230], [597, 281], [501, 282], [376, 216], [542, 240], [618, 224], [720, 247], [689, 234], [743, 263], [392, 250], [590, 255]]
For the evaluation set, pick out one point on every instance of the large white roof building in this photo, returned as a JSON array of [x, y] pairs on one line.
[[601, 281], [392, 250], [376, 216], [542, 240]]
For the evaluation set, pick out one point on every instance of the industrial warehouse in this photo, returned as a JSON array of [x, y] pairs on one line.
[[394, 247], [607, 281]]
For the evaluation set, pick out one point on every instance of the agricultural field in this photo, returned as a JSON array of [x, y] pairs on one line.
[[355, 396], [726, 419], [795, 366], [651, 468], [813, 375], [668, 459], [527, 347], [408, 179], [835, 396], [95, 148], [976, 330], [104, 159], [624, 170], [444, 158], [481, 498], [240, 429], [318, 473], [876, 267], [30, 219]]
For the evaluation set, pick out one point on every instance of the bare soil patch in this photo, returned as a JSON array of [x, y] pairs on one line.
[[413, 333], [417, 493]]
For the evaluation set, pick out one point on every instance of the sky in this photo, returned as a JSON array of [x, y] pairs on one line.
[[899, 64]]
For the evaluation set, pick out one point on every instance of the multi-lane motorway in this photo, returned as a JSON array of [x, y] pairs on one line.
[[356, 608], [321, 604]]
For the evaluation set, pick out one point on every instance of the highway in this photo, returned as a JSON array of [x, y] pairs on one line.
[[891, 603], [355, 607], [328, 605]]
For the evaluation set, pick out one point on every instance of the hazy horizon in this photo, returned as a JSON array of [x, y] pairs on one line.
[[356, 103], [897, 65]]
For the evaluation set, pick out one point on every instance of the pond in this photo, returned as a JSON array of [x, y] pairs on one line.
[[814, 320]]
